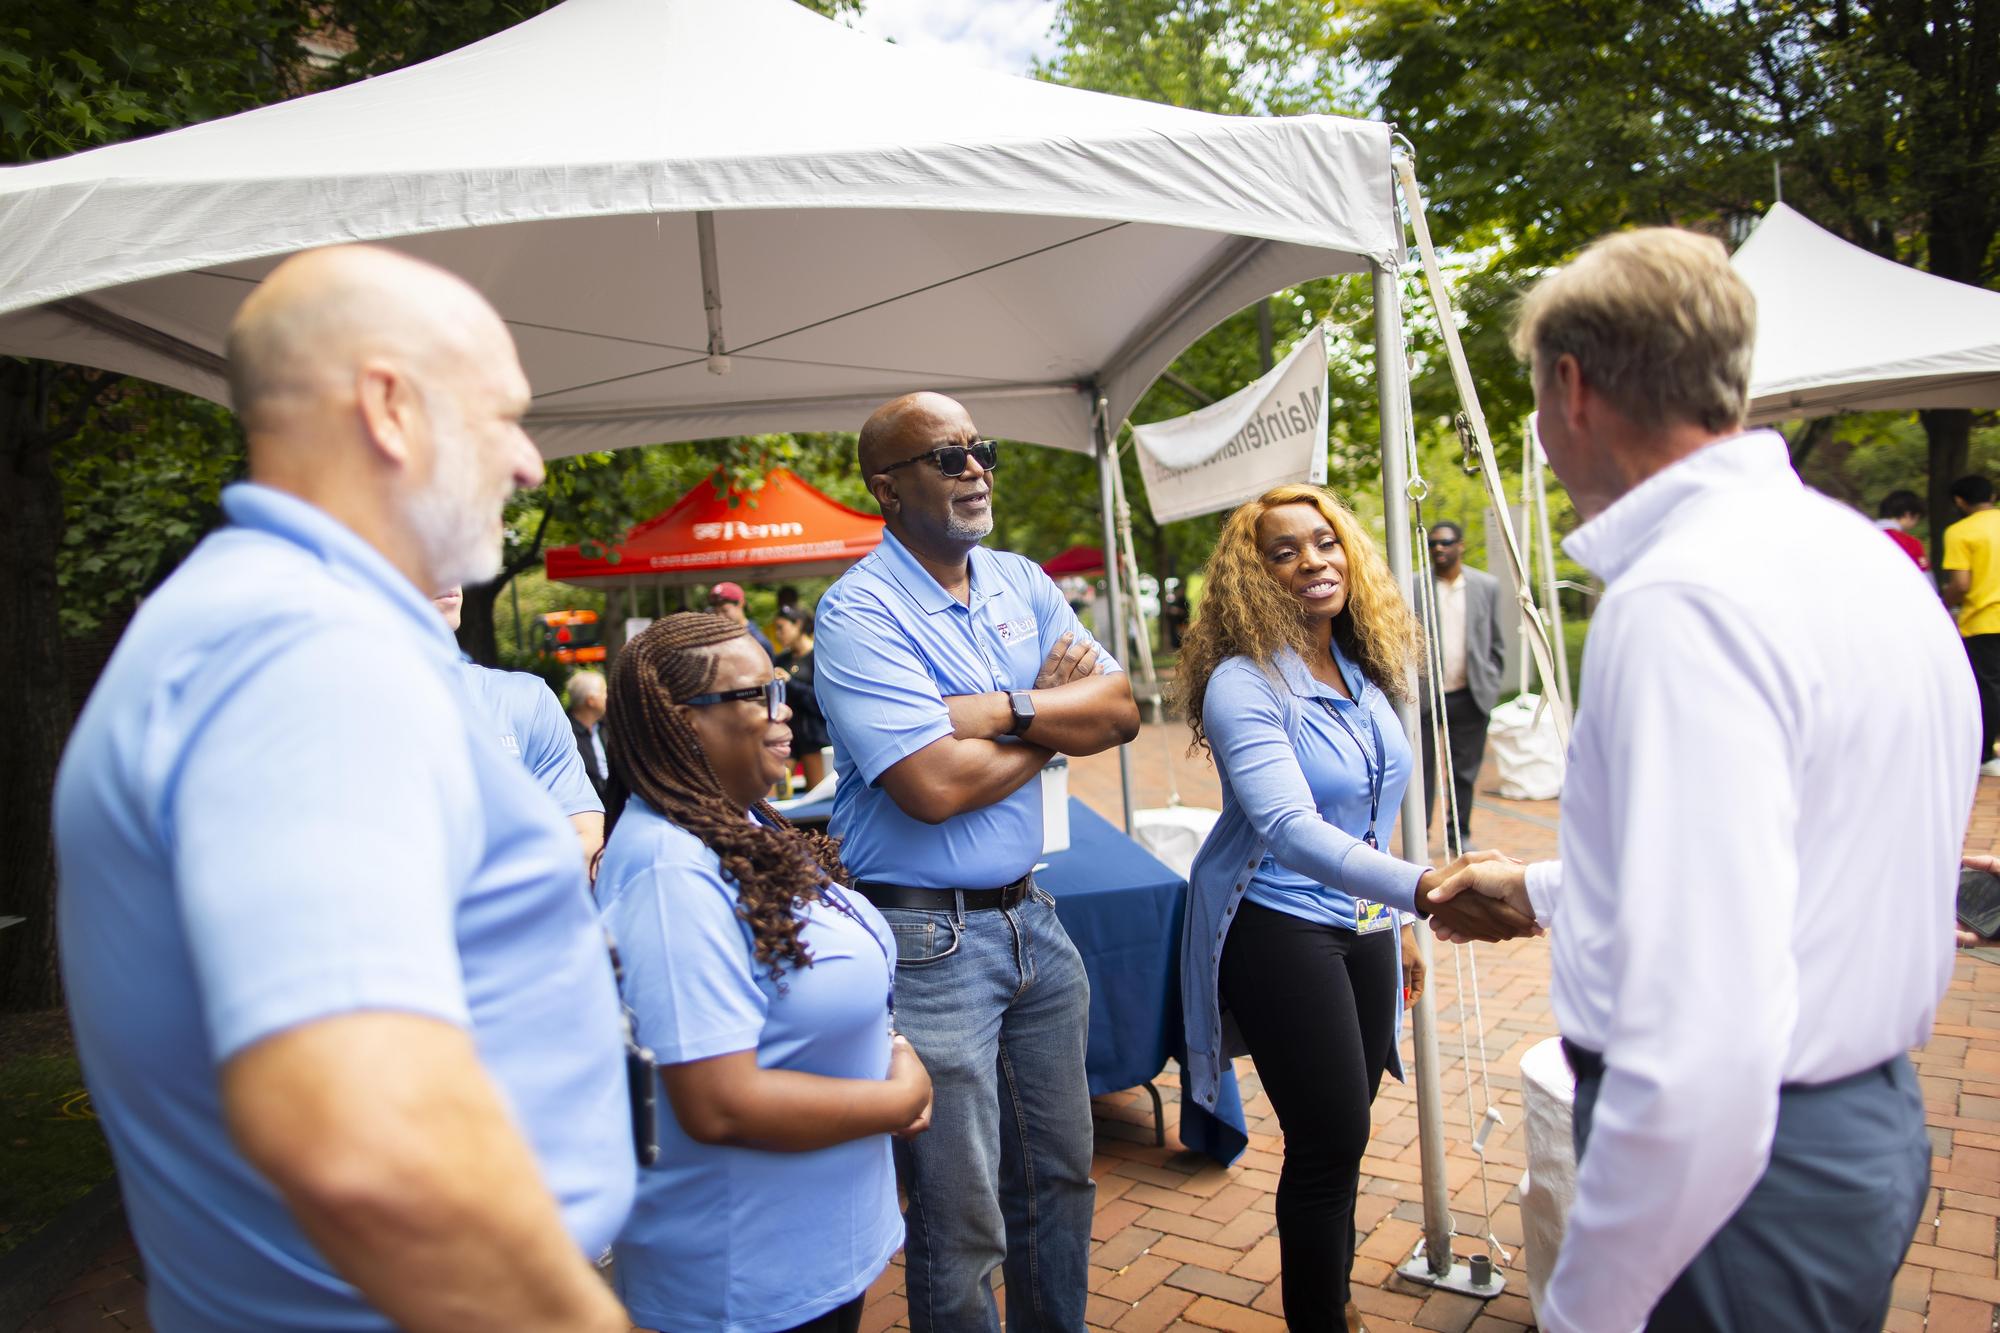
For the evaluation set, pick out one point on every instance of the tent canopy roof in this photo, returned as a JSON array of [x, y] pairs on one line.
[[882, 222], [785, 528], [1843, 330]]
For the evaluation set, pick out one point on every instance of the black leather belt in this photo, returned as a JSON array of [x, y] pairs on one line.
[[943, 900], [1582, 1063]]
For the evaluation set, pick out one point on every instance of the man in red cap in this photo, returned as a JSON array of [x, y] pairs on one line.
[[726, 599]]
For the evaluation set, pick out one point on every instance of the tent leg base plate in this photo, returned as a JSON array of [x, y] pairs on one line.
[[1476, 1277]]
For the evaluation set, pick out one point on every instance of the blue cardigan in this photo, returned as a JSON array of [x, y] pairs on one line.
[[1268, 807]]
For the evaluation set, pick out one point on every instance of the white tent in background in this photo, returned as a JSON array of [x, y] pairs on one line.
[[868, 220], [1843, 330], [713, 217]]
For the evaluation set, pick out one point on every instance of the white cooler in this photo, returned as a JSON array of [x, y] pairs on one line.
[[1527, 755], [1548, 1094]]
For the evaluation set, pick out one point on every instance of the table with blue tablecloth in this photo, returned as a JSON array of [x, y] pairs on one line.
[[1123, 909]]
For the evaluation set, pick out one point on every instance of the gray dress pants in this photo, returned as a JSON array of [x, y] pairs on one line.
[[1817, 1243]]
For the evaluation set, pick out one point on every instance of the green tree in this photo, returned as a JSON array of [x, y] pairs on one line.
[[72, 77], [1240, 57], [593, 499], [1543, 125]]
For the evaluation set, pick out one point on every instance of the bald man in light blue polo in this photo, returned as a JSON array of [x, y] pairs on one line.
[[950, 675], [338, 987]]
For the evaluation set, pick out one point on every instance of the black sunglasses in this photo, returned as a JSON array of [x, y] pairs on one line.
[[950, 458], [1437, 545], [772, 692]]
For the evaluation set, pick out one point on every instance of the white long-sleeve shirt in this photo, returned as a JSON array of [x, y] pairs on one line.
[[1768, 789]]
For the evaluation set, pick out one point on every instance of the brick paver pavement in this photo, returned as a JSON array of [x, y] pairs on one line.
[[1183, 1244]]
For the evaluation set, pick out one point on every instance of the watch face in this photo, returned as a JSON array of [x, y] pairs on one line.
[[1023, 706]]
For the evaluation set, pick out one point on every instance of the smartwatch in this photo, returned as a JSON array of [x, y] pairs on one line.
[[1022, 705]]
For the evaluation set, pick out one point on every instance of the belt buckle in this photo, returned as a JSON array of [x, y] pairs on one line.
[[1016, 893]]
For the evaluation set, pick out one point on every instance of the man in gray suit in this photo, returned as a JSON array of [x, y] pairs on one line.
[[1469, 640]]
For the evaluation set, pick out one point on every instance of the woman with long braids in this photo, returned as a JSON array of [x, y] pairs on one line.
[[764, 988], [1290, 955]]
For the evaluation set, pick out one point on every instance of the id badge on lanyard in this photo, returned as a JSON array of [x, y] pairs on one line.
[[1369, 917]]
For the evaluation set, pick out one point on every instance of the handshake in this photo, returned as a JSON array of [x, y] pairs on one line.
[[1482, 896]]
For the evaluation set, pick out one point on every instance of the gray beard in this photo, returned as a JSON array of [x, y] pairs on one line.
[[959, 529], [453, 529]]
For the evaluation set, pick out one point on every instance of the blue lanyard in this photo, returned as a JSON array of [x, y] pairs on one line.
[[1374, 772]]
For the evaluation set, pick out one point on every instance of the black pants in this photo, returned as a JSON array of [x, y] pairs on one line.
[[846, 1319], [1819, 1240], [1465, 733], [1984, 650], [1317, 1007]]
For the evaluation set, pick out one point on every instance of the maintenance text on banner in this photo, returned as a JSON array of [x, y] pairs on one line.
[[1264, 435]]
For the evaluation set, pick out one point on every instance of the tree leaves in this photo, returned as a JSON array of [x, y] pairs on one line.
[[142, 479]]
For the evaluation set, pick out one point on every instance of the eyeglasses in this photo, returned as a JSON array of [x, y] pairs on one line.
[[1441, 546], [950, 458], [772, 692]]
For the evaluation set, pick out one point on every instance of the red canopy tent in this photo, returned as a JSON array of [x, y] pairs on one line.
[[786, 528], [1076, 560]]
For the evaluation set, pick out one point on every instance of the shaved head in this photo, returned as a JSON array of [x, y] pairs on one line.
[[928, 512], [907, 425], [308, 327], [386, 392]]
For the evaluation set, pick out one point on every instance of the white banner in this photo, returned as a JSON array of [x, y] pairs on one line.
[[1263, 435]]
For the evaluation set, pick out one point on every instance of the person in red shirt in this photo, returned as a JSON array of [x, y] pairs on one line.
[[1898, 515]]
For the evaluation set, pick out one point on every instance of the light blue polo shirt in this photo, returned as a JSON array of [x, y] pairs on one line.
[[532, 727], [890, 645], [741, 1240], [1338, 764], [280, 805]]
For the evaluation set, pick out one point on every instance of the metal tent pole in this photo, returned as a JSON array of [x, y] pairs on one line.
[[1390, 370], [1540, 510], [1526, 540], [1107, 485], [1142, 640]]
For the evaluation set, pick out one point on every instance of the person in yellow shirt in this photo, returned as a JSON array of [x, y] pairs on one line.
[[1972, 587]]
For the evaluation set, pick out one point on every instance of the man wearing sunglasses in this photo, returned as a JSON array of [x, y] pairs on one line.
[[949, 675]]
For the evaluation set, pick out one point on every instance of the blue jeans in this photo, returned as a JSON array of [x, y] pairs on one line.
[[997, 1005]]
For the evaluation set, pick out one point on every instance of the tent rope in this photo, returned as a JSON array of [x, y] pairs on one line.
[[1122, 441], [1465, 957], [1540, 642]]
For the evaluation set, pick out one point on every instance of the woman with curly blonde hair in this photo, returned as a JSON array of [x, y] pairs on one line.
[[1290, 956]]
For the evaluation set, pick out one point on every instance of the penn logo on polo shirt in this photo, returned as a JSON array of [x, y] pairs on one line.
[[1010, 630]]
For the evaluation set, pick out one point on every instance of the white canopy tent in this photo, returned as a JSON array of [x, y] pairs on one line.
[[679, 260], [1843, 330], [712, 217], [879, 222]]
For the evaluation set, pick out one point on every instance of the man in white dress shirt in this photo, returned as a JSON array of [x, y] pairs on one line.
[[1768, 788]]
